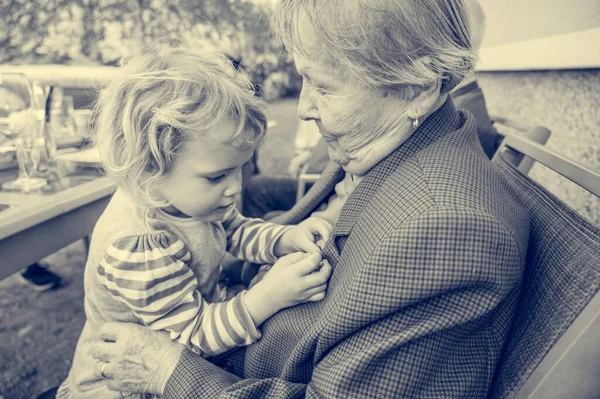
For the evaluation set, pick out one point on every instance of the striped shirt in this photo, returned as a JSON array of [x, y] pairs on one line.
[[148, 267], [153, 274]]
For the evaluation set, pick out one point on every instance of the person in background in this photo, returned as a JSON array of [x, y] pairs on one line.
[[269, 195], [40, 277], [307, 137], [174, 130], [429, 246]]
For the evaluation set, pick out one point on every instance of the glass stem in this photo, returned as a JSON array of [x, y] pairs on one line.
[[20, 147]]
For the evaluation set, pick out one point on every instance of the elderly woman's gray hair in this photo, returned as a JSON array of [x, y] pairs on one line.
[[387, 44]]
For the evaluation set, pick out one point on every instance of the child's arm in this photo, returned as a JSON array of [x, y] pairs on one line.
[[250, 239], [262, 242], [150, 275]]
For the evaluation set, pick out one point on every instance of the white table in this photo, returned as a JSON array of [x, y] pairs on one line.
[[39, 224]]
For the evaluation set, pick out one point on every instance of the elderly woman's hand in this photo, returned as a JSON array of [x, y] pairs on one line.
[[133, 358]]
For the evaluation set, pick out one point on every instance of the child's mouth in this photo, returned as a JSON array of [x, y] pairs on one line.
[[224, 208]]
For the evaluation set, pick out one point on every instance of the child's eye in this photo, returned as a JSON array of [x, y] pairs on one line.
[[215, 179]]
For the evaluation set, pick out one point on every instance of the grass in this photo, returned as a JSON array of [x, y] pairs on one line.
[[39, 331]]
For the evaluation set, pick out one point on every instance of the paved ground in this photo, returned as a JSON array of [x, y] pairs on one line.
[[38, 331]]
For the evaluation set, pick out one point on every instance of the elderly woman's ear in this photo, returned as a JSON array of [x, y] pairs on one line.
[[425, 100], [421, 100]]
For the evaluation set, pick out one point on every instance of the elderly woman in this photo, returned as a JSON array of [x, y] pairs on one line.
[[429, 246]]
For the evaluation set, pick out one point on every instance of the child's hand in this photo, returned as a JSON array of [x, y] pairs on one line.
[[308, 236], [293, 279], [298, 278]]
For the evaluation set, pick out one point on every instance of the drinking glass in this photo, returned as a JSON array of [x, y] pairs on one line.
[[39, 106], [68, 116], [45, 129], [18, 122]]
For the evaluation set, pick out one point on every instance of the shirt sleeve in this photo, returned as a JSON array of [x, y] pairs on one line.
[[251, 239], [150, 275]]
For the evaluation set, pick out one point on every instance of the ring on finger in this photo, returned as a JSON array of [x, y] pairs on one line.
[[102, 370]]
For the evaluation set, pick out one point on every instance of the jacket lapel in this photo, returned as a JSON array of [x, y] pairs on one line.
[[442, 121]]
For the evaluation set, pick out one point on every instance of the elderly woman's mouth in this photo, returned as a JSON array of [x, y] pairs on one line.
[[338, 157], [326, 135]]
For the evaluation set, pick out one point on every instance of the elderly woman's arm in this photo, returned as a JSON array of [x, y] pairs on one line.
[[142, 360], [442, 275]]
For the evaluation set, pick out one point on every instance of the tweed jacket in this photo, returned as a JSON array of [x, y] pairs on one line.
[[427, 255]]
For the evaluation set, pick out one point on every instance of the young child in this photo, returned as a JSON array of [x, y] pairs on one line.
[[174, 130]]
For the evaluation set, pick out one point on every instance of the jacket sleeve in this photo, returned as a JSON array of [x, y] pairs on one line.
[[425, 295]]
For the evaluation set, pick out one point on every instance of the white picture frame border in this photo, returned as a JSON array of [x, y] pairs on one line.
[[573, 50]]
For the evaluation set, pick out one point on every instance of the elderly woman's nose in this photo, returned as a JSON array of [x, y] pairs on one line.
[[306, 106]]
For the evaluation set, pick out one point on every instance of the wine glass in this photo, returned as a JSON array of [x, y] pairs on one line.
[[18, 122]]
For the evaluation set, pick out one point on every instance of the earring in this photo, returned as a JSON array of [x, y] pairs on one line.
[[415, 123]]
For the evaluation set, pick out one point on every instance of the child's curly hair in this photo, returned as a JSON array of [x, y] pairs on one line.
[[163, 97]]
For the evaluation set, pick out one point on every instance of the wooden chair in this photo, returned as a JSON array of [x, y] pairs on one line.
[[304, 179], [554, 346]]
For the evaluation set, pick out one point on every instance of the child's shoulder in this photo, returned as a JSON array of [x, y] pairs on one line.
[[125, 226], [125, 221], [121, 218]]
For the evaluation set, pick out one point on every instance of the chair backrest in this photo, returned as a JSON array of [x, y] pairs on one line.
[[554, 347]]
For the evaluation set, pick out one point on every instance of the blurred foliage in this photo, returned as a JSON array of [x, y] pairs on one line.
[[83, 32]]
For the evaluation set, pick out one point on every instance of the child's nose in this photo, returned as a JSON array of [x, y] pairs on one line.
[[235, 185]]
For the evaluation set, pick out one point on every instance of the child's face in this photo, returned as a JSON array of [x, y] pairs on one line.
[[205, 177]]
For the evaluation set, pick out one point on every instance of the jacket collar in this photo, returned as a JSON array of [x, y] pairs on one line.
[[444, 120]]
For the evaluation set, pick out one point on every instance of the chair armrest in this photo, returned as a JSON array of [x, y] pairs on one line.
[[514, 145], [535, 133]]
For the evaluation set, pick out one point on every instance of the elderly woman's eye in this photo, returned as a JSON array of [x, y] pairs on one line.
[[313, 87], [319, 90]]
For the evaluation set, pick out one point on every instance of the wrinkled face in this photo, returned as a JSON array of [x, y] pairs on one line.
[[205, 177], [360, 123], [349, 116]]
